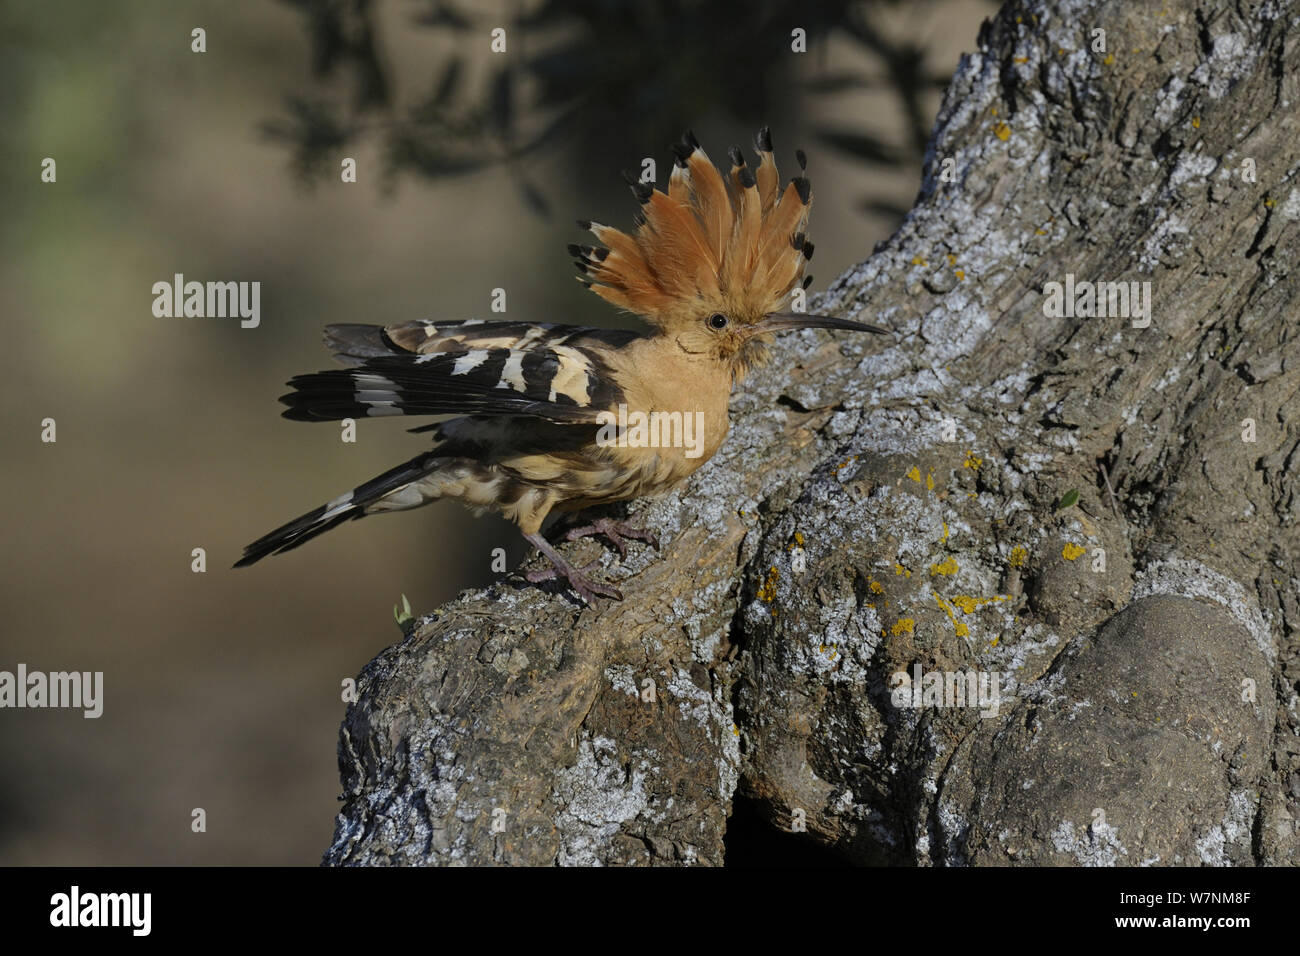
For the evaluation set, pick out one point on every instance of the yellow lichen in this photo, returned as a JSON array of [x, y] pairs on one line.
[[969, 604], [904, 625], [767, 593], [1002, 131], [914, 474], [1072, 551], [958, 626], [1019, 557], [972, 461], [900, 570], [945, 567]]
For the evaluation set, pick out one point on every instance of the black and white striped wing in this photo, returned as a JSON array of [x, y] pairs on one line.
[[356, 344], [467, 372]]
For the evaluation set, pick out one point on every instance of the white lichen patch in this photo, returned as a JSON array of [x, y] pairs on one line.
[[712, 711], [1078, 707], [1036, 643], [692, 701], [1291, 208], [1192, 168], [1097, 845], [1235, 830], [1231, 58], [955, 828], [840, 646], [1168, 99], [1169, 378], [1188, 578], [1161, 241], [596, 797], [622, 679]]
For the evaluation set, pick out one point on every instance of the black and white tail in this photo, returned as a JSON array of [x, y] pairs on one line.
[[386, 488]]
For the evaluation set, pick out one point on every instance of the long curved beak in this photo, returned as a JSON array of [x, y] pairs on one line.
[[781, 321]]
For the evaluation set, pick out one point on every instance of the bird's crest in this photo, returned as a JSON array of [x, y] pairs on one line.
[[733, 244]]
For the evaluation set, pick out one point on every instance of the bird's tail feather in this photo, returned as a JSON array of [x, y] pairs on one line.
[[346, 507]]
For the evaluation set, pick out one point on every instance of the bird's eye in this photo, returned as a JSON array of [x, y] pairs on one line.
[[717, 321]]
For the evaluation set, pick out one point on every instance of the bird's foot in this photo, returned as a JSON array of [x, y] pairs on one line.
[[615, 532], [585, 586]]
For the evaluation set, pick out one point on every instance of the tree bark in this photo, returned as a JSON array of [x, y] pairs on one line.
[[884, 506]]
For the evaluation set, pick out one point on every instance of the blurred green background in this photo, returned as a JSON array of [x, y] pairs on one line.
[[222, 689]]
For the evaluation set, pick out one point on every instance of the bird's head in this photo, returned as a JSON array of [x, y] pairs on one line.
[[714, 264]]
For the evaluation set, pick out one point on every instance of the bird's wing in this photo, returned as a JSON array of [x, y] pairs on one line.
[[355, 344], [447, 368]]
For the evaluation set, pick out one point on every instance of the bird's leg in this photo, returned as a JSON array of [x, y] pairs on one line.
[[615, 532], [586, 588]]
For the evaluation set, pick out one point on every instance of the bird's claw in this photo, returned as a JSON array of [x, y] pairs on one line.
[[615, 532], [585, 586]]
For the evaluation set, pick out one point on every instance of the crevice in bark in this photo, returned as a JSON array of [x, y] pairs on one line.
[[752, 841]]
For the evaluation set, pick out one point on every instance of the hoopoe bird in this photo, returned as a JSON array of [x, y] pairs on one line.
[[553, 418]]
